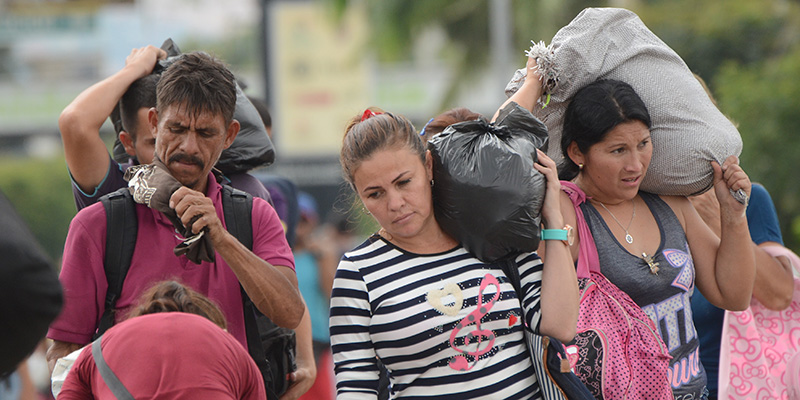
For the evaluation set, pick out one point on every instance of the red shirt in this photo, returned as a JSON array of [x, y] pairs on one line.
[[84, 280], [168, 356]]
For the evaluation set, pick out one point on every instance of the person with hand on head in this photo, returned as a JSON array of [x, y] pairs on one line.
[[127, 96], [193, 122], [654, 248], [443, 323], [92, 169], [187, 354]]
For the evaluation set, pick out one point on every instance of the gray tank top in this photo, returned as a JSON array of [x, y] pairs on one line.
[[665, 297]]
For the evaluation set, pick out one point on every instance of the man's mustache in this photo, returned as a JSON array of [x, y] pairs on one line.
[[188, 159]]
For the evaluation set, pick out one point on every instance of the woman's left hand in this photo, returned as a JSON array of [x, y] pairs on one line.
[[730, 177], [551, 208]]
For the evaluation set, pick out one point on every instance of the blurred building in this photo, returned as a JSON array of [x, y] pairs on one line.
[[50, 50], [316, 71]]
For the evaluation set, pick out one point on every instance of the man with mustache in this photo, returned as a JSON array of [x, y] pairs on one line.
[[192, 122], [131, 91]]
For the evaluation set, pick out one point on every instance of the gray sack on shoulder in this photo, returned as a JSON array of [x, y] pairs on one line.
[[688, 130]]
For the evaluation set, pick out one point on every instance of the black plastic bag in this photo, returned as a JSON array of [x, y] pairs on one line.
[[252, 147], [487, 194]]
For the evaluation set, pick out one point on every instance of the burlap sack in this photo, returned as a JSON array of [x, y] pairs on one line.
[[688, 130]]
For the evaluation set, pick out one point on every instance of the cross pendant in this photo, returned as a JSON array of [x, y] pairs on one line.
[[653, 264]]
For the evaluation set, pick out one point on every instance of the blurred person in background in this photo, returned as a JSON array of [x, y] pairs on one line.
[[440, 122], [315, 263], [283, 193], [773, 285]]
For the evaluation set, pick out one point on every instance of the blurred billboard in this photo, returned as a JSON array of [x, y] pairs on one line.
[[320, 77]]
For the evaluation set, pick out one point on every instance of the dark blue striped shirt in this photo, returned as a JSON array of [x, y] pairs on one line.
[[446, 326]]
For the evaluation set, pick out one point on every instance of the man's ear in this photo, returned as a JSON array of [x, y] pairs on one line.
[[230, 135], [152, 120], [127, 142]]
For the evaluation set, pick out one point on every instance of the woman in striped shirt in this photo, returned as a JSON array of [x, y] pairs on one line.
[[444, 324]]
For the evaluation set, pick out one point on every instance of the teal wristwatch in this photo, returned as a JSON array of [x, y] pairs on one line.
[[566, 235]]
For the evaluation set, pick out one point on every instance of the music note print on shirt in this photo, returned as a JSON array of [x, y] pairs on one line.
[[481, 339]]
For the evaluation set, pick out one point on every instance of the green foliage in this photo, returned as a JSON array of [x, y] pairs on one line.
[[708, 33], [764, 99], [239, 50], [398, 24], [41, 192]]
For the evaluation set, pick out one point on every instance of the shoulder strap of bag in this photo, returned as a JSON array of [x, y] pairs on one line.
[[121, 230], [109, 377], [550, 363], [588, 260]]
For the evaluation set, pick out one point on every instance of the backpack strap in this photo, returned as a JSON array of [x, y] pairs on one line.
[[237, 208], [121, 231], [109, 377]]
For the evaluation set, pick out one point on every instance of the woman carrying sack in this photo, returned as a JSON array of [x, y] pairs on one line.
[[444, 323], [652, 247]]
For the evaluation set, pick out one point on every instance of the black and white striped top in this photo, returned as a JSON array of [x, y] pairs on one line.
[[445, 325]]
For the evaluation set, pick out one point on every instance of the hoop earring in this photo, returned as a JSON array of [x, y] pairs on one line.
[[431, 182]]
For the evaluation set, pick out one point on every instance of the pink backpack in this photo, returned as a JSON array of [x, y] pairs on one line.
[[617, 353], [760, 348]]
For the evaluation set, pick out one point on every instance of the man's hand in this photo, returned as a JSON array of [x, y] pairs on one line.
[[302, 379], [145, 59], [196, 212], [273, 289]]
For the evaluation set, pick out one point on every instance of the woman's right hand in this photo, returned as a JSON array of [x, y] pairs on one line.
[[551, 207]]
